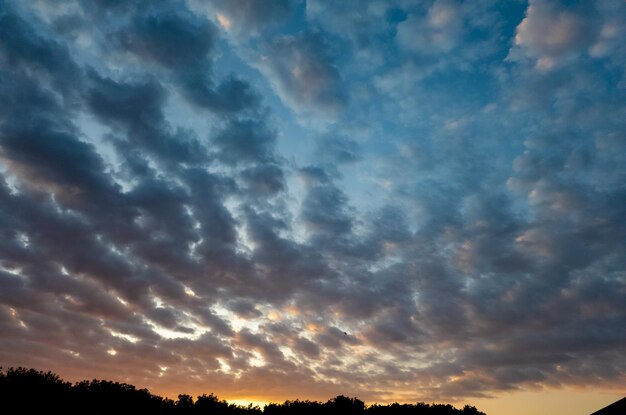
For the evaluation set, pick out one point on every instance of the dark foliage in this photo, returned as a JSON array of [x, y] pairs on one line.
[[31, 391]]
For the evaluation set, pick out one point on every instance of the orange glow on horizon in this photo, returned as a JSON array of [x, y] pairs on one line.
[[572, 401], [568, 400]]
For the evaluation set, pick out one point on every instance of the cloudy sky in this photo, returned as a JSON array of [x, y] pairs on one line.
[[397, 200]]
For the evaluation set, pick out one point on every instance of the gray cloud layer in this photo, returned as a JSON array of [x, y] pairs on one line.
[[163, 249]]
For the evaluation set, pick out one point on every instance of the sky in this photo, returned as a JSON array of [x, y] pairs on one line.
[[396, 200]]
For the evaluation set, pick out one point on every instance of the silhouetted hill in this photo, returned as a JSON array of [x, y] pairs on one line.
[[30, 391]]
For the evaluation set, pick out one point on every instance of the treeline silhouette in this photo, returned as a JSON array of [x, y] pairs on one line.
[[26, 391]]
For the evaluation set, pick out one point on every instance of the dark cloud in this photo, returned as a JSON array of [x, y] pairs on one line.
[[136, 107], [245, 141], [324, 209], [24, 49], [333, 338], [263, 179], [244, 309], [176, 39], [48, 158], [231, 95], [283, 267], [172, 38], [308, 348]]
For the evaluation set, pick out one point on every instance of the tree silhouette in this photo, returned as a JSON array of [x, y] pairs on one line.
[[342, 405], [33, 390], [294, 407], [30, 391]]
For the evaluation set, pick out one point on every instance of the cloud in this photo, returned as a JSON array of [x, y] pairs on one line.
[[49, 159], [552, 34], [368, 28], [186, 44], [248, 17], [456, 230], [301, 70], [168, 37], [245, 141], [231, 95], [437, 32], [136, 108], [264, 179], [324, 209]]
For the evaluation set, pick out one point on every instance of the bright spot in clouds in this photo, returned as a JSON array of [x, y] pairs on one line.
[[223, 21]]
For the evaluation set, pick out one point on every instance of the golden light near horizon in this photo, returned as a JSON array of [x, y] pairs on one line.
[[569, 400], [580, 401]]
